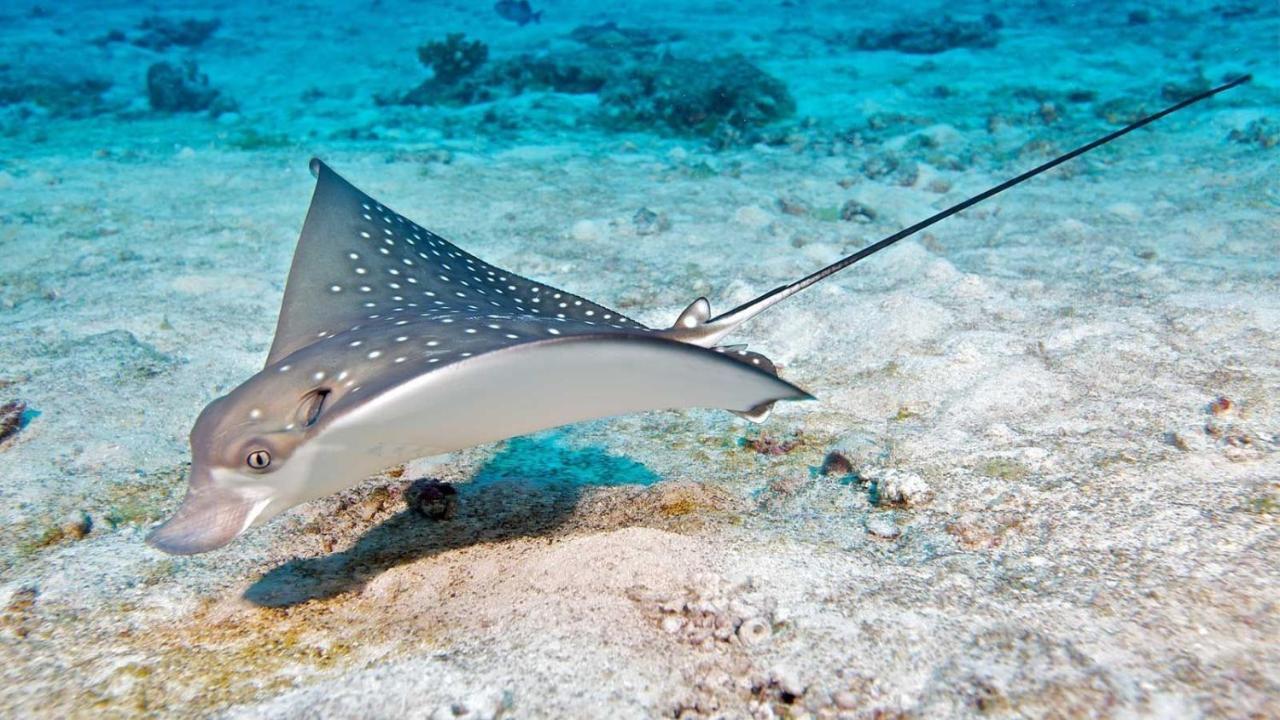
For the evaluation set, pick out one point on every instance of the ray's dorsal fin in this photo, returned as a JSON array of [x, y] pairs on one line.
[[696, 328], [694, 315], [358, 262]]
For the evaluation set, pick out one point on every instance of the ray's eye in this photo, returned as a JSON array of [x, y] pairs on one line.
[[258, 459]]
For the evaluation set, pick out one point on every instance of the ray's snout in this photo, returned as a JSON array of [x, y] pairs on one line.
[[210, 517]]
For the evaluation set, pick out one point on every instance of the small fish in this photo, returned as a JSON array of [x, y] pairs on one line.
[[517, 11], [394, 344]]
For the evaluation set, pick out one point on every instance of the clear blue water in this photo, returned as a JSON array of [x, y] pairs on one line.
[[328, 74]]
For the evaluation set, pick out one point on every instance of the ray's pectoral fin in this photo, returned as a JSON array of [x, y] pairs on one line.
[[694, 327], [545, 384], [209, 517], [758, 413]]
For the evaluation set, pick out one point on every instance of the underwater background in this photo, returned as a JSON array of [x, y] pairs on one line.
[[1041, 478]]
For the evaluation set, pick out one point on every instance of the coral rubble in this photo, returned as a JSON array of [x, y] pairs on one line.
[[925, 36], [180, 88], [727, 99], [161, 33]]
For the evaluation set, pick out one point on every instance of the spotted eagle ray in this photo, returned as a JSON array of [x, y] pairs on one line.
[[393, 344]]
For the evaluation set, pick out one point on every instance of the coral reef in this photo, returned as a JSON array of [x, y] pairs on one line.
[[609, 35], [1122, 110], [854, 211], [835, 463], [890, 487], [56, 95], [725, 99], [892, 167], [648, 222], [431, 498], [453, 58], [161, 33], [11, 418], [453, 62], [927, 36], [711, 610], [574, 72], [767, 443], [180, 88], [1260, 132], [1177, 92]]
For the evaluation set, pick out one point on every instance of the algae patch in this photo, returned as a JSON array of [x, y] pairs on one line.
[[1004, 469], [210, 662], [144, 500]]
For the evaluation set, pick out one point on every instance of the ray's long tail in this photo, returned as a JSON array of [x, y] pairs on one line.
[[696, 326]]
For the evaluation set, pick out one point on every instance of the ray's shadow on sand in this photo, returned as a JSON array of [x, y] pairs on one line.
[[529, 488]]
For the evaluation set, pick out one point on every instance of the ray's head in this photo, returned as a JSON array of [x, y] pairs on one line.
[[247, 463]]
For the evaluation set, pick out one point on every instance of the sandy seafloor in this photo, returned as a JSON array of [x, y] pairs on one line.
[[1060, 526]]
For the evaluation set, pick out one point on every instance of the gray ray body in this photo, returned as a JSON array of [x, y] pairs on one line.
[[393, 344]]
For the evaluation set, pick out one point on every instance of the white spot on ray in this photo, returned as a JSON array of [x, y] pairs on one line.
[[468, 287]]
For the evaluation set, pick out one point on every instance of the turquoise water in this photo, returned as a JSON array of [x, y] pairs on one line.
[[1038, 478]]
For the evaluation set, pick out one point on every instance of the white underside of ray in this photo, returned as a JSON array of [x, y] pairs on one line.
[[533, 387]]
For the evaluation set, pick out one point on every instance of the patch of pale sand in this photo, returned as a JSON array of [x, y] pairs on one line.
[[551, 626]]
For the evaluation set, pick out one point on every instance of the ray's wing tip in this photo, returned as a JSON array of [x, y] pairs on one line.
[[315, 164], [799, 394]]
